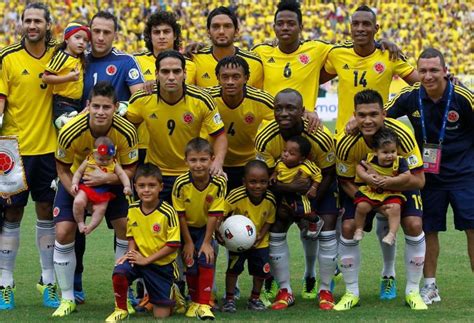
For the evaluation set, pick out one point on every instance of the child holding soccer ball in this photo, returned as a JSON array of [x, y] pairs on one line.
[[256, 202], [372, 196], [294, 162], [65, 72], [103, 158]]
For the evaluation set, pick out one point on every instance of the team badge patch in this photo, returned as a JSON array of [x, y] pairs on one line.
[[304, 59], [133, 74], [249, 118], [266, 268], [7, 162], [342, 168], [209, 199], [379, 67], [111, 70], [56, 211], [188, 118], [156, 227], [453, 116]]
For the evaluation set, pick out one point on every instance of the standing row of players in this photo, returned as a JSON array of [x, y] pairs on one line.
[[193, 108]]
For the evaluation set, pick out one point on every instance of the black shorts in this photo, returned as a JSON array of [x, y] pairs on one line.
[[258, 262]]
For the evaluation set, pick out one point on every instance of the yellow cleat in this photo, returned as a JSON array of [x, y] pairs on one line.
[[180, 302], [204, 312], [66, 307], [192, 309], [414, 300], [347, 302], [117, 315]]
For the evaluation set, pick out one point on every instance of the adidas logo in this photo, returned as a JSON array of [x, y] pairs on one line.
[[271, 60], [416, 114], [86, 149], [206, 76], [25, 72], [187, 201], [147, 72], [153, 116], [134, 224], [345, 67]]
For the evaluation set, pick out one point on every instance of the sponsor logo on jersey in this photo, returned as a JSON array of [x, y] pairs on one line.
[[379, 67], [188, 117], [111, 70], [271, 60], [304, 59], [249, 118], [453, 116], [133, 74], [205, 76]]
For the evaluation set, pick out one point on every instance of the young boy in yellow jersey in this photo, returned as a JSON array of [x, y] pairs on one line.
[[198, 197], [256, 202], [153, 234], [294, 162]]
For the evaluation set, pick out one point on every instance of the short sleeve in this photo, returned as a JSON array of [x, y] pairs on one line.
[[213, 121], [134, 74], [178, 201], [173, 235], [134, 111]]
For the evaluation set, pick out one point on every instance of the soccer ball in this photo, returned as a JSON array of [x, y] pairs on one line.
[[239, 233]]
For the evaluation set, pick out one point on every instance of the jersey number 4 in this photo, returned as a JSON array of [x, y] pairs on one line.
[[362, 81]]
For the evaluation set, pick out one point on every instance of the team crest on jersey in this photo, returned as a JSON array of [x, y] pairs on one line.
[[453, 116], [304, 59], [249, 118], [188, 117], [209, 199], [379, 67], [133, 154], [133, 74], [156, 227], [56, 211], [266, 268], [111, 70]]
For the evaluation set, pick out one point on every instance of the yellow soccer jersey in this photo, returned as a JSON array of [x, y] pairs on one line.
[[269, 144], [196, 205], [62, 64], [298, 70], [75, 141], [308, 169], [206, 67], [357, 73], [351, 149], [29, 101], [238, 202], [241, 123], [172, 126], [146, 61], [155, 230]]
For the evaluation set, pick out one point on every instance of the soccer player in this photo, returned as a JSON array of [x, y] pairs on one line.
[[198, 197], [270, 141], [151, 253], [360, 64], [75, 142], [174, 113], [351, 150], [440, 111], [222, 27], [242, 108], [28, 116]]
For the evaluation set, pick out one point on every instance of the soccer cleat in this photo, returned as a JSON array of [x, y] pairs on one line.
[[131, 297], [430, 294], [49, 293], [229, 306], [79, 297], [214, 302], [358, 234], [66, 307], [7, 298], [255, 304], [144, 305], [309, 288], [388, 288], [347, 302], [283, 300], [117, 315], [326, 300], [414, 300], [336, 279], [265, 300], [180, 302], [204, 312], [270, 288], [192, 309]]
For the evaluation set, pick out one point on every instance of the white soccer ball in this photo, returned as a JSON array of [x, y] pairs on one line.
[[239, 233]]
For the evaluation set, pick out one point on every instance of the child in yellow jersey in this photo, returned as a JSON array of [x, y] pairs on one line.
[[383, 163], [294, 163], [65, 72], [153, 242], [199, 199], [256, 202], [103, 159]]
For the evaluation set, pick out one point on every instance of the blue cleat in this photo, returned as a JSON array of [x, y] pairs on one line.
[[388, 288], [7, 299], [79, 297], [50, 294], [131, 297]]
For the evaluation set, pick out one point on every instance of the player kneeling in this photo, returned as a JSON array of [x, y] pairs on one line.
[[257, 203], [153, 241]]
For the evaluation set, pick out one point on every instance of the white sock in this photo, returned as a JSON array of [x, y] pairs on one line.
[[310, 248], [64, 265], [429, 281], [415, 248], [327, 258], [45, 235], [9, 244], [121, 247], [388, 252], [279, 259], [349, 253]]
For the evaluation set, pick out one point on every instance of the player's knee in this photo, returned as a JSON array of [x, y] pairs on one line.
[[348, 228], [412, 226], [44, 210], [80, 203], [14, 214], [364, 207]]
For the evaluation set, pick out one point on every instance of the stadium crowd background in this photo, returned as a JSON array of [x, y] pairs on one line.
[[413, 25]]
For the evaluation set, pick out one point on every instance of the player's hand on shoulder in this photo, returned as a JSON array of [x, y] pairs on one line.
[[314, 122], [393, 50], [217, 169], [148, 86], [192, 48], [351, 127]]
